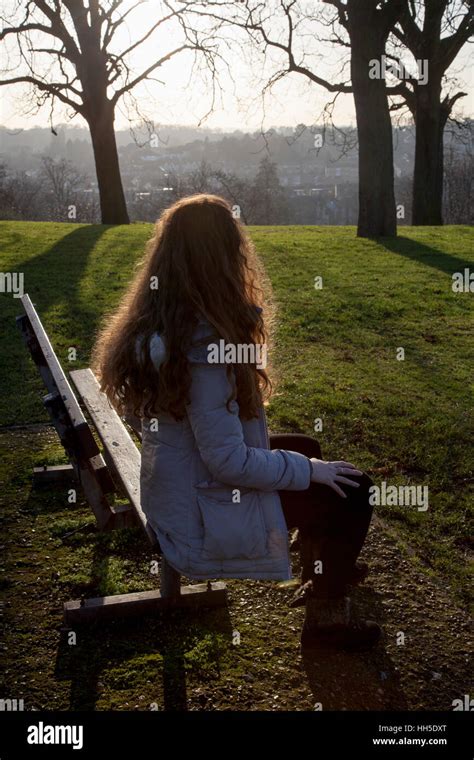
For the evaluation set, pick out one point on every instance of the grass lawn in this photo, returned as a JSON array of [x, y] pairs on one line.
[[406, 422]]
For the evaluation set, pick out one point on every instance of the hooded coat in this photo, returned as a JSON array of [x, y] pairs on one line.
[[209, 482]]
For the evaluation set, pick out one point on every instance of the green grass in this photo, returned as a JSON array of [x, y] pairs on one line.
[[405, 421], [335, 358]]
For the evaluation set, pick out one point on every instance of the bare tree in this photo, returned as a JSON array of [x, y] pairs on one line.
[[72, 51], [63, 184], [20, 195], [434, 31], [202, 179], [238, 191], [289, 29], [368, 24], [269, 206], [458, 198]]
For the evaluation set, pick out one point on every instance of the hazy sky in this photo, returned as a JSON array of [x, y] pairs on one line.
[[183, 97]]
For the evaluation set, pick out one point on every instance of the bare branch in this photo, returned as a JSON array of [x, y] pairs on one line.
[[52, 88], [450, 46], [118, 94], [25, 28]]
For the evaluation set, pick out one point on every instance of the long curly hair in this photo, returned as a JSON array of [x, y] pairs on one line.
[[204, 266]]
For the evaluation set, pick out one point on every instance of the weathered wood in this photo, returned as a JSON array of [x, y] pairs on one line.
[[23, 323], [68, 419], [61, 473], [96, 499], [86, 469], [101, 474], [54, 377], [143, 603], [123, 516], [120, 451]]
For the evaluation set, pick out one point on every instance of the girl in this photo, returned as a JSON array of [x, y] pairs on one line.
[[218, 491]]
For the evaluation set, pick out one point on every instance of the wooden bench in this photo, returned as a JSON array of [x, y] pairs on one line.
[[102, 474]]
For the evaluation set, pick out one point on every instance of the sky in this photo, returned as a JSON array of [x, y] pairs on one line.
[[182, 96]]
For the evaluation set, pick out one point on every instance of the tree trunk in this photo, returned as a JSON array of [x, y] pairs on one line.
[[377, 212], [112, 199], [430, 121]]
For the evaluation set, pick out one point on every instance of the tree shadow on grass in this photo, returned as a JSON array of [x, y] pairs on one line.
[[54, 275], [356, 681], [424, 254], [52, 279]]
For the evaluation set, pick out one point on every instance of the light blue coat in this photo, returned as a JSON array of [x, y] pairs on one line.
[[209, 482]]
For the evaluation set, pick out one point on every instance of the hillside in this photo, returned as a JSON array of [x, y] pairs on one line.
[[335, 358]]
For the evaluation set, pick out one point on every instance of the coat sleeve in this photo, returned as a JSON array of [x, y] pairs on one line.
[[219, 437]]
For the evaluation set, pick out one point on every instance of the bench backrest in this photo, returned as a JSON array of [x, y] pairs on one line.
[[99, 474], [72, 427], [55, 379]]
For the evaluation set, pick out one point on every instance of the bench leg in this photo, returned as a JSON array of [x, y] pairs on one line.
[[169, 584]]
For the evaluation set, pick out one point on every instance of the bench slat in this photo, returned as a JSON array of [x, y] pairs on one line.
[[65, 391], [119, 447], [144, 603]]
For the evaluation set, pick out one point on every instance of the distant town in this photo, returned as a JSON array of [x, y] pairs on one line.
[[301, 175]]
